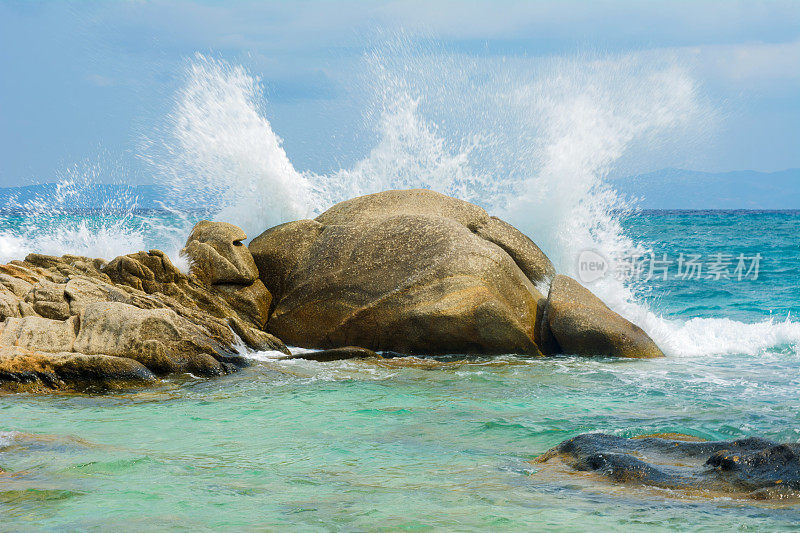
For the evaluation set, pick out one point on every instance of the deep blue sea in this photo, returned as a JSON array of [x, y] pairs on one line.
[[770, 293], [424, 445]]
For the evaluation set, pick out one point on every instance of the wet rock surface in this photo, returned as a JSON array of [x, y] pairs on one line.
[[753, 467], [23, 370], [337, 354]]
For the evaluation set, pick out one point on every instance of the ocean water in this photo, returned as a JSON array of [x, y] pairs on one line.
[[421, 446], [417, 444]]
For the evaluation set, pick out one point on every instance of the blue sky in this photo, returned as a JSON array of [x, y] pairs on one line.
[[84, 78]]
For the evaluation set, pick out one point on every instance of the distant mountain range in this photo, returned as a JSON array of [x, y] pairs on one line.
[[669, 188], [673, 188]]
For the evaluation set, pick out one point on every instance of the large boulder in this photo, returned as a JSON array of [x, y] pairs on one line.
[[577, 322], [422, 202], [407, 271]]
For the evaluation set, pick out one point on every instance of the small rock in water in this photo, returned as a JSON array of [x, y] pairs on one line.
[[337, 354]]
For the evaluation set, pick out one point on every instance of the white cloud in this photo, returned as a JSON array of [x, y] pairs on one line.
[[753, 62]]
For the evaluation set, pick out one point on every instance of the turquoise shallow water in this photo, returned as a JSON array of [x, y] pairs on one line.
[[352, 446]]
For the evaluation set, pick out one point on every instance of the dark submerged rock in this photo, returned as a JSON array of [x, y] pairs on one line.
[[751, 467], [778, 464]]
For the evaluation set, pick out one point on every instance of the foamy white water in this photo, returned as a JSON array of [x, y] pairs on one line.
[[217, 151], [7, 438], [58, 222]]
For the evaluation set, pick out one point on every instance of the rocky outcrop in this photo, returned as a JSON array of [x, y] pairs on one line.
[[221, 261], [753, 467], [138, 308], [418, 272], [577, 322], [407, 271], [402, 272], [23, 370]]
